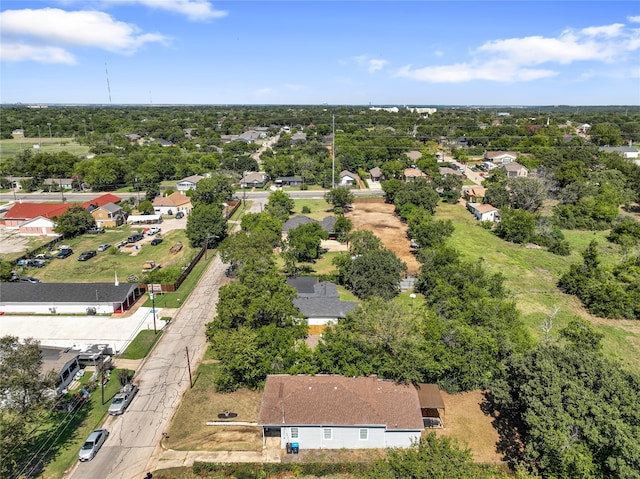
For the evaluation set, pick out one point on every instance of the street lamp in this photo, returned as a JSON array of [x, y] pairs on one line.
[[412, 296], [153, 306]]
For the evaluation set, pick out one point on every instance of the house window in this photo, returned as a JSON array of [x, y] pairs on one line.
[[364, 434], [327, 434], [294, 433]]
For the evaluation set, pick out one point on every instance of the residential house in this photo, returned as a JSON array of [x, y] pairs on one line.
[[101, 201], [515, 170], [410, 174], [484, 211], [500, 157], [133, 137], [475, 194], [288, 181], [328, 224], [413, 155], [38, 226], [319, 302], [298, 137], [584, 128], [250, 136], [446, 171], [337, 412], [188, 183], [64, 183], [163, 143], [348, 179], [376, 174], [109, 215], [171, 204], [253, 179], [625, 151]]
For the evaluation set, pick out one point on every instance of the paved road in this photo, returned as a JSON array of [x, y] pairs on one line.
[[135, 436]]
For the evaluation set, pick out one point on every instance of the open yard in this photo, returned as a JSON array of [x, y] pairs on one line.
[[376, 216], [11, 147]]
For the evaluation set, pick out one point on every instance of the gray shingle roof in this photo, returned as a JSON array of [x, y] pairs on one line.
[[319, 299]]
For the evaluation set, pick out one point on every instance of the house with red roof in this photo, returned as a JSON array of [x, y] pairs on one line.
[[102, 200], [23, 212]]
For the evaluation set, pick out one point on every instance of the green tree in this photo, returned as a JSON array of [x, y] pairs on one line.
[[527, 193], [375, 273], [5, 270], [145, 207], [340, 197], [363, 241], [516, 226], [428, 232], [264, 222], [304, 241], [390, 188], [280, 205], [76, 220], [206, 224], [342, 227], [216, 189]]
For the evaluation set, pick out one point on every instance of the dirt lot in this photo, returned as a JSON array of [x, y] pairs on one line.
[[465, 421], [378, 217]]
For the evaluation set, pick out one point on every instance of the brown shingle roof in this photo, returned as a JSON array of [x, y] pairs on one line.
[[338, 400]]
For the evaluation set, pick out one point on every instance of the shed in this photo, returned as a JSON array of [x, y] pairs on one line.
[[431, 405]]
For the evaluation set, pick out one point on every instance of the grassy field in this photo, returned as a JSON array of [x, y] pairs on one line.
[[319, 208], [141, 345], [11, 148], [107, 264], [531, 276]]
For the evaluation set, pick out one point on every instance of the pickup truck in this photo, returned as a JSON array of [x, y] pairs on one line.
[[122, 399]]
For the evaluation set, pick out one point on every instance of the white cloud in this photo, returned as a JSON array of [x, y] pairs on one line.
[[634, 19], [196, 10], [55, 29], [519, 59], [372, 65], [16, 52]]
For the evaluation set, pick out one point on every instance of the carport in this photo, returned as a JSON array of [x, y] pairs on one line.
[[431, 405]]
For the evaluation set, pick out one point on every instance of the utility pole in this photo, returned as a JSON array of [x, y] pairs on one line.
[[153, 309], [189, 367]]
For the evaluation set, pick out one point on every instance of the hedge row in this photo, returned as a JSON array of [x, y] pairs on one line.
[[260, 471]]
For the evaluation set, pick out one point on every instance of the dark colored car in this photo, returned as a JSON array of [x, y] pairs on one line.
[[36, 263], [64, 253], [179, 215], [135, 238], [156, 241], [85, 255]]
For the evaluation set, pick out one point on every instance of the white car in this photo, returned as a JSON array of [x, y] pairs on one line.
[[104, 247], [153, 231], [122, 399], [93, 444]]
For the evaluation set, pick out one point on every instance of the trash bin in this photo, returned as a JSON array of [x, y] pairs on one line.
[[294, 447], [289, 448]]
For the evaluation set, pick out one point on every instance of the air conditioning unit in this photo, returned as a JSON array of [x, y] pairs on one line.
[[91, 311]]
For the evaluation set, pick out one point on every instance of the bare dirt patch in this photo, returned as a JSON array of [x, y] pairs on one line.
[[379, 218], [467, 423]]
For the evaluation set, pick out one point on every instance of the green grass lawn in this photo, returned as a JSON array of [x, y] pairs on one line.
[[320, 209], [141, 344], [11, 148]]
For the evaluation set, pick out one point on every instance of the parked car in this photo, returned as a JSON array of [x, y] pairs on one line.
[[64, 253], [37, 263], [135, 238], [95, 231], [29, 279], [122, 399], [93, 444], [153, 231], [179, 215], [156, 241], [44, 256], [85, 255], [104, 247]]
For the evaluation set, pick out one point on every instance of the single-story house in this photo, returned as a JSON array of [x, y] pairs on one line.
[[288, 181], [475, 194], [188, 183], [163, 143], [65, 298], [101, 201], [298, 137], [110, 215], [328, 223], [144, 219], [484, 211], [500, 157], [63, 362], [446, 171], [133, 137], [64, 183], [410, 174], [319, 302], [625, 151], [413, 155], [515, 170], [337, 412], [38, 226], [584, 128], [250, 136], [171, 204], [348, 179], [376, 174], [253, 179]]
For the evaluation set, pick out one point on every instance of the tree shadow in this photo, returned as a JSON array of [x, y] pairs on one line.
[[509, 426]]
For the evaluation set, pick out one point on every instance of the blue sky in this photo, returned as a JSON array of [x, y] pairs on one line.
[[306, 52]]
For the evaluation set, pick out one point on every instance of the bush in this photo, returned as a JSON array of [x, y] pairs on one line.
[[306, 210]]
